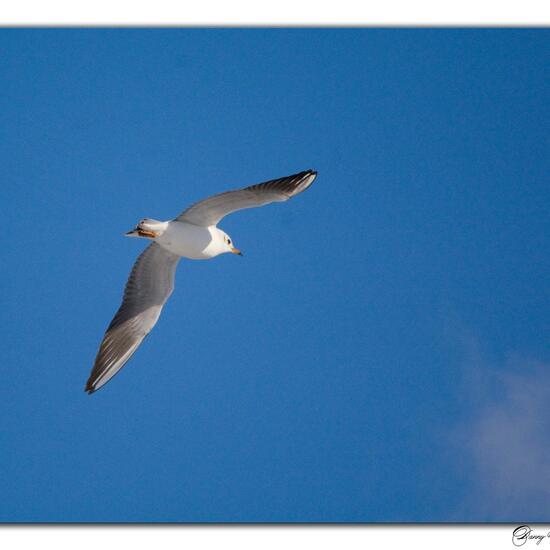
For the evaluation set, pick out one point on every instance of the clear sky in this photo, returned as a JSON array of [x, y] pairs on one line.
[[380, 353]]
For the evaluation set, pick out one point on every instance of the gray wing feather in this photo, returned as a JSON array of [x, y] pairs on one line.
[[210, 211], [149, 285]]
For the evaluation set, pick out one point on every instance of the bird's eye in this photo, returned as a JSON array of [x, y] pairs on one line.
[[228, 241]]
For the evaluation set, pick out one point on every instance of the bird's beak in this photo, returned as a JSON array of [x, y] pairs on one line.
[[132, 233], [236, 251]]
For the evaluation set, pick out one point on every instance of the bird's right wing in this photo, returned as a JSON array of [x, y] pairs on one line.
[[149, 286], [211, 210]]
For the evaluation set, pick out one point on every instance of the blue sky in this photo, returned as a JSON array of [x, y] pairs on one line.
[[381, 351]]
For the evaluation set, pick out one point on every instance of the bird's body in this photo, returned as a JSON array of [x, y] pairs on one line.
[[188, 240], [193, 234], [183, 239]]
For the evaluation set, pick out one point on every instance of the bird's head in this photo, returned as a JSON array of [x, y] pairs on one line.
[[226, 243]]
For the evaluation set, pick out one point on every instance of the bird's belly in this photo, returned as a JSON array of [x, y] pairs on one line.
[[187, 240]]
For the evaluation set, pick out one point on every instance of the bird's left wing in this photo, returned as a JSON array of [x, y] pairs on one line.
[[211, 210], [149, 286]]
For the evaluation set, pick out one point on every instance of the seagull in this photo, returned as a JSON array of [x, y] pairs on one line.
[[193, 234]]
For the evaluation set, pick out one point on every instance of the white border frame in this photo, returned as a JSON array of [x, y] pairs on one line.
[[254, 13]]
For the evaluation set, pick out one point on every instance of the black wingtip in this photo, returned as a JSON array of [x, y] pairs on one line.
[[310, 173], [307, 174]]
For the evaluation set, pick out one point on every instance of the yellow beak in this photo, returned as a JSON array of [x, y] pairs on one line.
[[236, 251]]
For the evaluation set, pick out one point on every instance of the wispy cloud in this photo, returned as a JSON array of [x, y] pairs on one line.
[[502, 444]]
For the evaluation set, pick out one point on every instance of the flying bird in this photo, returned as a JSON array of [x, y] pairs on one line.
[[193, 234]]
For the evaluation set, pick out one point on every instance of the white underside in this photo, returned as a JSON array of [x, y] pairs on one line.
[[190, 241]]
